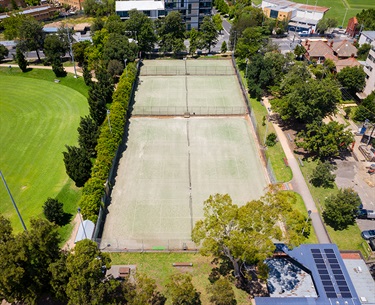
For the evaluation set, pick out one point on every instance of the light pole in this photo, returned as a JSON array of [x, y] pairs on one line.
[[109, 121], [14, 203], [247, 60], [71, 52], [83, 227], [307, 219], [126, 68]]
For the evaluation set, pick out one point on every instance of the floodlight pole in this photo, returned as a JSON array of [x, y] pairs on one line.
[[126, 68], [109, 121], [307, 219], [83, 227], [71, 52], [14, 204]]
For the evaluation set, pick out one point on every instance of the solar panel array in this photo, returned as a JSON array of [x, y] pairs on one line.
[[333, 280]]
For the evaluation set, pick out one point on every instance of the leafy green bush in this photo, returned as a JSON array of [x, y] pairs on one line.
[[111, 133], [271, 139]]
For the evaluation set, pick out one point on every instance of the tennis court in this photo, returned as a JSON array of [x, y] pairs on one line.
[[173, 164]]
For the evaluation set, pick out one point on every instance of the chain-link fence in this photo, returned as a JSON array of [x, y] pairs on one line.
[[186, 70], [190, 110]]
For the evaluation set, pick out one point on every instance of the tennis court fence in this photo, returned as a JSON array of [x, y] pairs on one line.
[[146, 245], [190, 111], [186, 70]]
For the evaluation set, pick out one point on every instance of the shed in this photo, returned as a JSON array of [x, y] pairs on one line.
[[85, 230]]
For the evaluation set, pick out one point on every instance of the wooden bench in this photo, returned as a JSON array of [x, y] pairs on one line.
[[123, 271], [286, 162], [182, 264]]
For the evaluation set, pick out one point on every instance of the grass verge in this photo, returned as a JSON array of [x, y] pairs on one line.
[[39, 117], [349, 239], [159, 267]]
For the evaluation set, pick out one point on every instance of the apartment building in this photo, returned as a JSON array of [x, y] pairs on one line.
[[369, 68], [192, 11]]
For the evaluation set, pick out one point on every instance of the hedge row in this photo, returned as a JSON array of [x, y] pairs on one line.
[[108, 143]]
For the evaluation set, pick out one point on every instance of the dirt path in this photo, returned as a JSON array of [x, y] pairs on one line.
[[70, 242]]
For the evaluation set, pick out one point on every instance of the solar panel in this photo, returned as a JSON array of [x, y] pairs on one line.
[[319, 260], [325, 277], [327, 283], [337, 271], [346, 295], [333, 261], [343, 288], [329, 289], [317, 255], [341, 283], [329, 251], [331, 255], [322, 271], [314, 250], [339, 277], [321, 266], [331, 295]]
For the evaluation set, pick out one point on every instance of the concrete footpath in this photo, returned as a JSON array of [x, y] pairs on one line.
[[299, 184], [67, 69]]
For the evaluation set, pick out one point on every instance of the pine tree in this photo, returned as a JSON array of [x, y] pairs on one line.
[[21, 60]]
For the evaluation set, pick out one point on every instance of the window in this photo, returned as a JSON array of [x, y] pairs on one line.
[[274, 14], [189, 8]]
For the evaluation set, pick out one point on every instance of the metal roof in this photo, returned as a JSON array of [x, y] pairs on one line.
[[331, 279], [85, 230]]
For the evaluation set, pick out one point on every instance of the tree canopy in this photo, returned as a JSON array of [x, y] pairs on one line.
[[340, 209], [367, 18], [352, 78], [181, 291], [209, 34], [77, 164], [171, 33], [324, 140], [308, 101], [244, 234]]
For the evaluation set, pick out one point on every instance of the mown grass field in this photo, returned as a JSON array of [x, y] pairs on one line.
[[38, 118], [159, 267]]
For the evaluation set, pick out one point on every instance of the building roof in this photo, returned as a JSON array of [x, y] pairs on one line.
[[331, 278], [344, 48], [304, 20], [85, 230], [139, 5], [317, 48], [347, 62], [362, 280], [82, 26], [369, 34]]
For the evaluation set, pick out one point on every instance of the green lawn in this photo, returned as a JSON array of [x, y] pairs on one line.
[[38, 117], [159, 267], [349, 239]]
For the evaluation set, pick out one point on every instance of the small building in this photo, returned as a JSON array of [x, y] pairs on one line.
[[331, 282], [366, 37], [347, 62], [85, 230], [353, 27], [75, 4], [40, 12], [301, 17]]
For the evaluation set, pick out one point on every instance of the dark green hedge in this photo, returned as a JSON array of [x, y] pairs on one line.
[[108, 144]]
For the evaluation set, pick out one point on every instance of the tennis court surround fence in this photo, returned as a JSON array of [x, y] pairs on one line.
[[186, 70], [154, 245]]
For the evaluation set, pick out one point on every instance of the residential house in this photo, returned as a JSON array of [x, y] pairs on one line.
[[353, 27], [344, 49], [370, 71]]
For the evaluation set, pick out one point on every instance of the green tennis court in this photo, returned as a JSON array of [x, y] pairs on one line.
[[172, 164]]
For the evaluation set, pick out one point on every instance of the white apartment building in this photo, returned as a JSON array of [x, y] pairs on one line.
[[370, 71], [192, 11]]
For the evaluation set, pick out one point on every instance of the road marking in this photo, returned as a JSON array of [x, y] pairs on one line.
[[225, 31]]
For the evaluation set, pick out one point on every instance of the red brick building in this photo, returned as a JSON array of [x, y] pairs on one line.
[[353, 27]]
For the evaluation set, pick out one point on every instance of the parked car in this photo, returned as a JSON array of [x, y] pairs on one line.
[[366, 214], [369, 234]]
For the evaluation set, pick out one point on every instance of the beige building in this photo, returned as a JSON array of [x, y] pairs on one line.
[[77, 4]]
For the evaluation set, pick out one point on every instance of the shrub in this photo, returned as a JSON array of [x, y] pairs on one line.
[[54, 212], [271, 139]]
